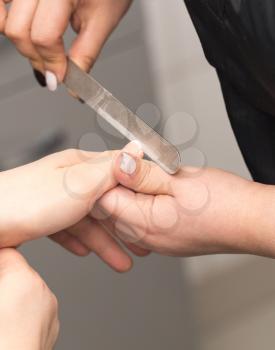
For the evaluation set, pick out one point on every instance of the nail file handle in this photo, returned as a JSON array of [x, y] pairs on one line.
[[121, 118]]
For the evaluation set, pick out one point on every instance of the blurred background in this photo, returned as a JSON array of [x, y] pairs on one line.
[[155, 65]]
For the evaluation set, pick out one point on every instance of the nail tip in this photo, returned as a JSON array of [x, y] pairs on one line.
[[51, 81], [52, 89], [138, 144], [40, 78]]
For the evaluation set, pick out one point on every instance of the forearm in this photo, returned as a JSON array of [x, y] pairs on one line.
[[259, 224]]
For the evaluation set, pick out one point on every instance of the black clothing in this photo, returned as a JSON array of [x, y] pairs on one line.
[[238, 38]]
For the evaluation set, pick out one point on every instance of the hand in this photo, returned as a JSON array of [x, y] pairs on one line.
[[195, 212], [54, 196], [37, 27], [28, 309]]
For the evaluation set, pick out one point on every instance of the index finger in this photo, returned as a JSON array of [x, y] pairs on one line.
[[49, 25]]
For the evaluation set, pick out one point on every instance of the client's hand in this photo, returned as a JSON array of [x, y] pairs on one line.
[[28, 309], [48, 196], [192, 213]]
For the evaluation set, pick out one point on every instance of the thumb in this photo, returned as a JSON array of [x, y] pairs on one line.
[[141, 175], [92, 178]]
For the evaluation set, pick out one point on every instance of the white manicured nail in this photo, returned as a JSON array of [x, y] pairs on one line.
[[51, 81], [137, 143], [128, 164], [135, 148]]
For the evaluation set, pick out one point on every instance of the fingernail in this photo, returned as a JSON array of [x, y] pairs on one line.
[[40, 78], [138, 144], [128, 164], [135, 148], [51, 81], [80, 100]]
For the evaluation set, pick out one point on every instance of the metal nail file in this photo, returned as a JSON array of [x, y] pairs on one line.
[[121, 118]]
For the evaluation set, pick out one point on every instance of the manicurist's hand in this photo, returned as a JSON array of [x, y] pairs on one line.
[[28, 309], [54, 196], [37, 27], [192, 213]]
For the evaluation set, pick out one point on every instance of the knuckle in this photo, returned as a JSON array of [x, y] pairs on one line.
[[43, 40], [143, 176], [15, 33], [35, 60], [87, 62]]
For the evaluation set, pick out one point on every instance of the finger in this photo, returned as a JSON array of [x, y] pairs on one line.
[[11, 259], [18, 27], [111, 228], [92, 178], [141, 175], [72, 156], [89, 42], [105, 220], [70, 243], [94, 32], [49, 25], [138, 251], [69, 157], [130, 214], [140, 219], [3, 16], [95, 238]]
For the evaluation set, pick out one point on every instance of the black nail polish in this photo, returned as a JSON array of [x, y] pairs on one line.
[[80, 100], [40, 78]]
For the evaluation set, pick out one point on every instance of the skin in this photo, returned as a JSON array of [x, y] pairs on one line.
[[192, 213], [36, 27], [54, 196], [185, 215], [29, 310], [215, 212], [196, 212]]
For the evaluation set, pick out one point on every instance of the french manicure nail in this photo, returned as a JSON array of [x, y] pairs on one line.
[[40, 78], [51, 81], [128, 164]]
